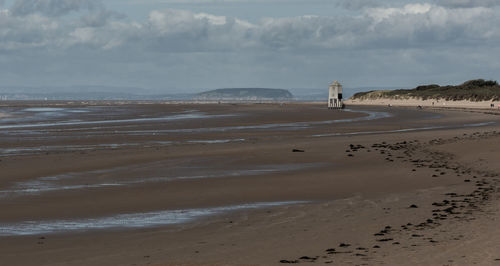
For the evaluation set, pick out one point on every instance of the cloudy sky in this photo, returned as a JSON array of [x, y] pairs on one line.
[[191, 45]]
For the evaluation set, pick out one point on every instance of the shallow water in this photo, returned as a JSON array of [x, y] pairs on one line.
[[114, 121], [123, 221], [406, 129], [64, 148], [371, 115], [216, 141], [93, 179], [53, 109]]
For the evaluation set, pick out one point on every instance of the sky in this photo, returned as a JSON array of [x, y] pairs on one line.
[[174, 46]]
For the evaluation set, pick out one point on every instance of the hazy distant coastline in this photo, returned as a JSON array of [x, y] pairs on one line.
[[117, 93]]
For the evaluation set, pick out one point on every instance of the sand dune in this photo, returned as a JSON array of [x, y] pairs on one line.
[[427, 103]]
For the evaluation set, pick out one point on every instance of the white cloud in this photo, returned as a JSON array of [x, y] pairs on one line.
[[380, 14]]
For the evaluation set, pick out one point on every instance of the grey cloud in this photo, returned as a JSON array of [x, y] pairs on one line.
[[468, 3], [52, 7], [415, 25], [184, 48], [99, 18], [358, 4], [412, 26]]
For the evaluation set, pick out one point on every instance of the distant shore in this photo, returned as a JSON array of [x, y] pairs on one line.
[[425, 103]]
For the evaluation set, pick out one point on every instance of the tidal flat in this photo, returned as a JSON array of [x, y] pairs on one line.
[[247, 184]]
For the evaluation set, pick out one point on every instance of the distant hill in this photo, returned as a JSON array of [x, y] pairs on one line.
[[472, 90], [84, 92], [67, 96], [245, 94]]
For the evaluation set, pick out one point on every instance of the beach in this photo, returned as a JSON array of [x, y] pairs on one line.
[[150, 183], [434, 103]]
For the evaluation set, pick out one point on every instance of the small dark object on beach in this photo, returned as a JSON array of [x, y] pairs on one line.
[[289, 261], [384, 239], [413, 206], [350, 155], [330, 250], [449, 210], [297, 150], [307, 258], [376, 246], [344, 245]]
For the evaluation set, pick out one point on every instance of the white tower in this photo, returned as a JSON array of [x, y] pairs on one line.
[[335, 96]]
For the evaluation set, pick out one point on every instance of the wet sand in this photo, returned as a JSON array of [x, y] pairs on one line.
[[137, 184]]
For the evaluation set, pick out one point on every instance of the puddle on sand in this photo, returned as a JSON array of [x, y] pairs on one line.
[[405, 130], [127, 221], [115, 121], [52, 109], [215, 141], [105, 178], [65, 148], [16, 151], [371, 115]]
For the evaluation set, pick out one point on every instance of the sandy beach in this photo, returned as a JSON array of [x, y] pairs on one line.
[[247, 184]]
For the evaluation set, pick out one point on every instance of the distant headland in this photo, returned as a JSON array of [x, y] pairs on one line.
[[476, 93], [245, 94]]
